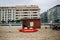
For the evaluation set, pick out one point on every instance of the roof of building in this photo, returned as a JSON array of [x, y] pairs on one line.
[[54, 7], [57, 5], [22, 7]]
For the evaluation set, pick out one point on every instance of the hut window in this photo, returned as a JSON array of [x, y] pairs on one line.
[[31, 24]]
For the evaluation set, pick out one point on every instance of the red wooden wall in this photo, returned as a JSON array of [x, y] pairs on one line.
[[37, 23]]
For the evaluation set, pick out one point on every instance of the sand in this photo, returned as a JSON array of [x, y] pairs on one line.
[[12, 33]]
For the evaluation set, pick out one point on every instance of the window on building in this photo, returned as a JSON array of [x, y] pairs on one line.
[[17, 18], [25, 10], [25, 15], [19, 10], [17, 15], [33, 9], [2, 17], [9, 15], [25, 18], [34, 12], [34, 15], [2, 10], [9, 10]]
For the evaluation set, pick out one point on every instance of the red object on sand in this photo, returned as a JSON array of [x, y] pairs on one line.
[[30, 25], [28, 30]]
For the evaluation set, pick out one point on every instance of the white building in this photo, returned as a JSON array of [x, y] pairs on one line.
[[19, 12]]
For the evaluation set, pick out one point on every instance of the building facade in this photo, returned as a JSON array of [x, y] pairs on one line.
[[54, 14], [44, 17], [19, 12], [51, 15]]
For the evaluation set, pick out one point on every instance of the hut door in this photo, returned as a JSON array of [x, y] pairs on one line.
[[24, 24], [31, 24]]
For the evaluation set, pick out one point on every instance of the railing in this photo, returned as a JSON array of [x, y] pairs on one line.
[[48, 23], [10, 24]]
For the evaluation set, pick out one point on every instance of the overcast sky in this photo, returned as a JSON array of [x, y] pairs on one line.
[[43, 4]]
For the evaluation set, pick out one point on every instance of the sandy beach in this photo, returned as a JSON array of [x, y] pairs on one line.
[[12, 33]]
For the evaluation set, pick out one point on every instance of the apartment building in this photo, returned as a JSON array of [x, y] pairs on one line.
[[19, 12]]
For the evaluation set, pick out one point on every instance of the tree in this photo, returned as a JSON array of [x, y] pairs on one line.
[[3, 21], [13, 21], [57, 20], [9, 21], [18, 21]]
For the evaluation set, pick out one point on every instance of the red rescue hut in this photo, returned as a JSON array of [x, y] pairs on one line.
[[30, 25], [34, 23]]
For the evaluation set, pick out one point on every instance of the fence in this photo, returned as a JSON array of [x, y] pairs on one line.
[[10, 24]]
